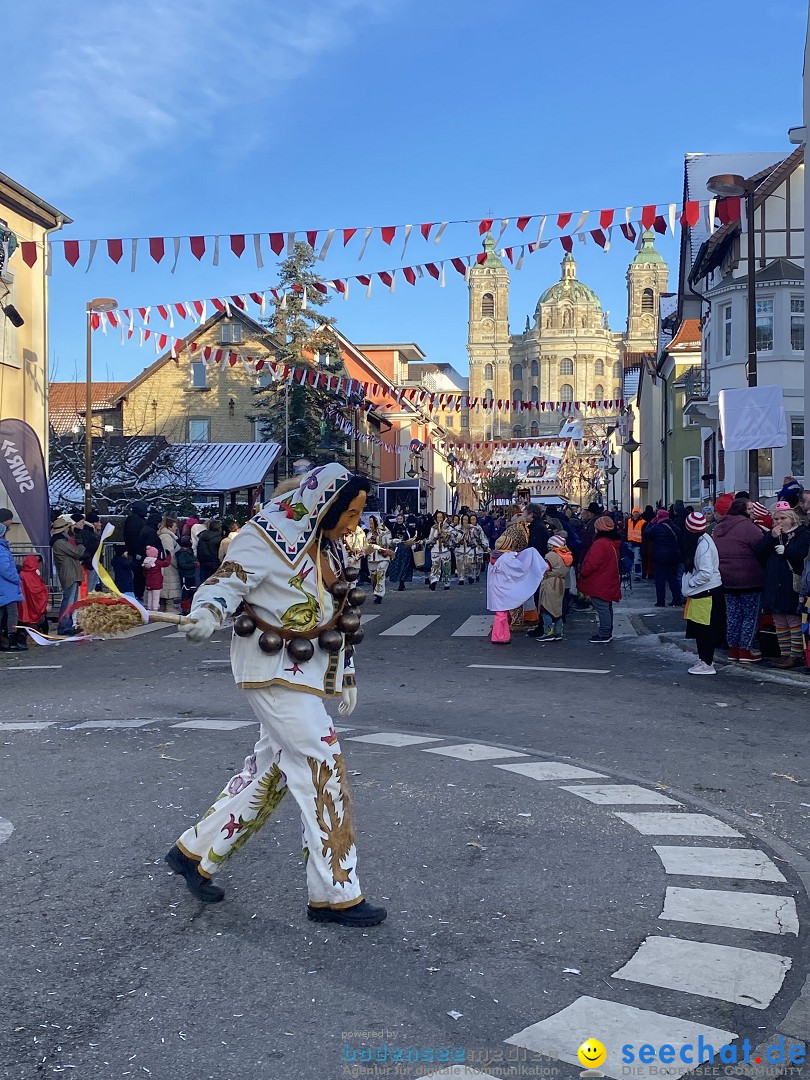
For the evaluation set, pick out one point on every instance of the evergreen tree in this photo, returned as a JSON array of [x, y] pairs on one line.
[[289, 413]]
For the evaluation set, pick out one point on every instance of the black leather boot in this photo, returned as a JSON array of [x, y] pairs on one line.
[[201, 887], [362, 914]]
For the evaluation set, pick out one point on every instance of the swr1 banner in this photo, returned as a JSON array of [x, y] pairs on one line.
[[22, 474]]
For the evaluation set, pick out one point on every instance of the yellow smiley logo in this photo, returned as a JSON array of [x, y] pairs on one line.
[[592, 1054]]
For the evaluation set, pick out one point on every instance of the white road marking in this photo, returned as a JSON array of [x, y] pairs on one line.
[[658, 824], [216, 725], [34, 667], [616, 1025], [384, 738], [748, 864], [472, 752], [366, 619], [551, 770], [26, 727], [217, 662], [409, 626], [475, 626], [528, 667], [743, 976], [6, 829], [606, 794], [743, 910], [135, 723]]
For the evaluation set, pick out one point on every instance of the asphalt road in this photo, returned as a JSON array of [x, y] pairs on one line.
[[495, 883]]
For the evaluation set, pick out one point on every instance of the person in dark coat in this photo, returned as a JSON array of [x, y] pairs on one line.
[[736, 538], [538, 533], [208, 549], [783, 551], [134, 524], [664, 540]]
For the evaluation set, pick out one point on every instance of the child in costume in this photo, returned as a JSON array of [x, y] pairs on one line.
[[285, 579]]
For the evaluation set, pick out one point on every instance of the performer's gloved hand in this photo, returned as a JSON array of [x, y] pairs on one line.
[[203, 626], [348, 700]]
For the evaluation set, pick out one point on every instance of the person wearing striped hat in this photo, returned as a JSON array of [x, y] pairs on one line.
[[703, 588]]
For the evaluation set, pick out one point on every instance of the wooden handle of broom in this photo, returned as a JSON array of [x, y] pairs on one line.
[[170, 617]]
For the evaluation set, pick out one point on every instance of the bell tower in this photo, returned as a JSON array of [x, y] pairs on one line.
[[647, 278], [488, 342]]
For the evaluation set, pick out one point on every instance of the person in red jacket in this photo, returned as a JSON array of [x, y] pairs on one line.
[[34, 606], [599, 576], [153, 573]]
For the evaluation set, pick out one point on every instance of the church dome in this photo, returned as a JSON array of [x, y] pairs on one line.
[[568, 288]]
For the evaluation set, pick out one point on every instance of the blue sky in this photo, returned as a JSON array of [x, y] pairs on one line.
[[167, 118]]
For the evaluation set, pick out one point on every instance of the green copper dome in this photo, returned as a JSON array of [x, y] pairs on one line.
[[647, 252], [568, 288]]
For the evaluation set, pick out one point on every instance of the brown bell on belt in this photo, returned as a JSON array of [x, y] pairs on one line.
[[339, 588], [349, 622], [243, 625], [356, 637], [271, 641], [301, 650], [357, 597], [330, 641], [351, 573]]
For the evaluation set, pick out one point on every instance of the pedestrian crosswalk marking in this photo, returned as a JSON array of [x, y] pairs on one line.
[[561, 1034], [765, 912], [113, 724], [551, 770], [392, 738], [722, 972], [27, 727], [409, 626], [748, 864], [473, 751], [663, 824], [530, 667], [216, 725], [366, 619], [475, 626], [620, 794]]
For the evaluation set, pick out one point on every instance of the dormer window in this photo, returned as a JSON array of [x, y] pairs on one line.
[[230, 333]]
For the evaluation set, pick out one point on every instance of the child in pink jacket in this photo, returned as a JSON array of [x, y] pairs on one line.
[[153, 572]]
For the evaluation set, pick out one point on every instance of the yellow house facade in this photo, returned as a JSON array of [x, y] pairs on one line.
[[24, 218]]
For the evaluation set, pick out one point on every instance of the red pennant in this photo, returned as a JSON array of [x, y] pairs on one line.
[[484, 226], [660, 225], [259, 364], [433, 270], [567, 242], [276, 242], [181, 310], [388, 232], [197, 245], [729, 210], [364, 279], [460, 265], [347, 235], [340, 285], [238, 302], [217, 303], [198, 306], [256, 297], [115, 249], [563, 220], [522, 222], [319, 286], [157, 248], [207, 350], [691, 213], [598, 237], [481, 257], [232, 358], [144, 314], [238, 244], [425, 229], [312, 238], [606, 218], [648, 216], [95, 320], [409, 274], [629, 232], [72, 251], [163, 341], [163, 311]]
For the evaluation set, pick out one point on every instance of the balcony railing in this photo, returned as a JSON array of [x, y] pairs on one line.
[[696, 385]]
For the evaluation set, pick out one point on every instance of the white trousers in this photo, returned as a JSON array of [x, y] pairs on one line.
[[297, 751], [377, 569], [439, 567]]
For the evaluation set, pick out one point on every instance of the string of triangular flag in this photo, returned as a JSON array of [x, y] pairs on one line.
[[274, 244]]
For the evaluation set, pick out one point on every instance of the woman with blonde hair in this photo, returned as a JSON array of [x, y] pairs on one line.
[[784, 550]]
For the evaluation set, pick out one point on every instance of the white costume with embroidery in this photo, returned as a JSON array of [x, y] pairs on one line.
[[273, 564]]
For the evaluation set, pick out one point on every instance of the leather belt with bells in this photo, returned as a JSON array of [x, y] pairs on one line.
[[290, 635]]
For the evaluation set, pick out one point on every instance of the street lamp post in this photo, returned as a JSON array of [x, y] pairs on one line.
[[630, 446], [452, 462], [730, 185], [612, 473], [100, 305]]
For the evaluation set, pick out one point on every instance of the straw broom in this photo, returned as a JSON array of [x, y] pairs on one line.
[[108, 616]]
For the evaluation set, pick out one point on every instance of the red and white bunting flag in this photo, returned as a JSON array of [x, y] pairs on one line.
[[162, 340], [176, 242], [563, 221], [522, 222], [95, 320], [115, 250], [347, 235], [388, 232], [691, 213], [326, 244], [71, 248], [157, 248], [197, 245], [366, 238], [567, 242], [440, 232], [312, 238], [28, 249], [599, 237], [409, 274], [276, 242], [425, 229], [181, 310], [484, 226], [648, 216]]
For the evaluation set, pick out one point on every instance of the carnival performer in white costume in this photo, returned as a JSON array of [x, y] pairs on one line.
[[441, 539], [294, 602], [481, 546], [378, 553]]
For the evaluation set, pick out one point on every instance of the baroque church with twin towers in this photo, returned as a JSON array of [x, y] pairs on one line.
[[567, 353]]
